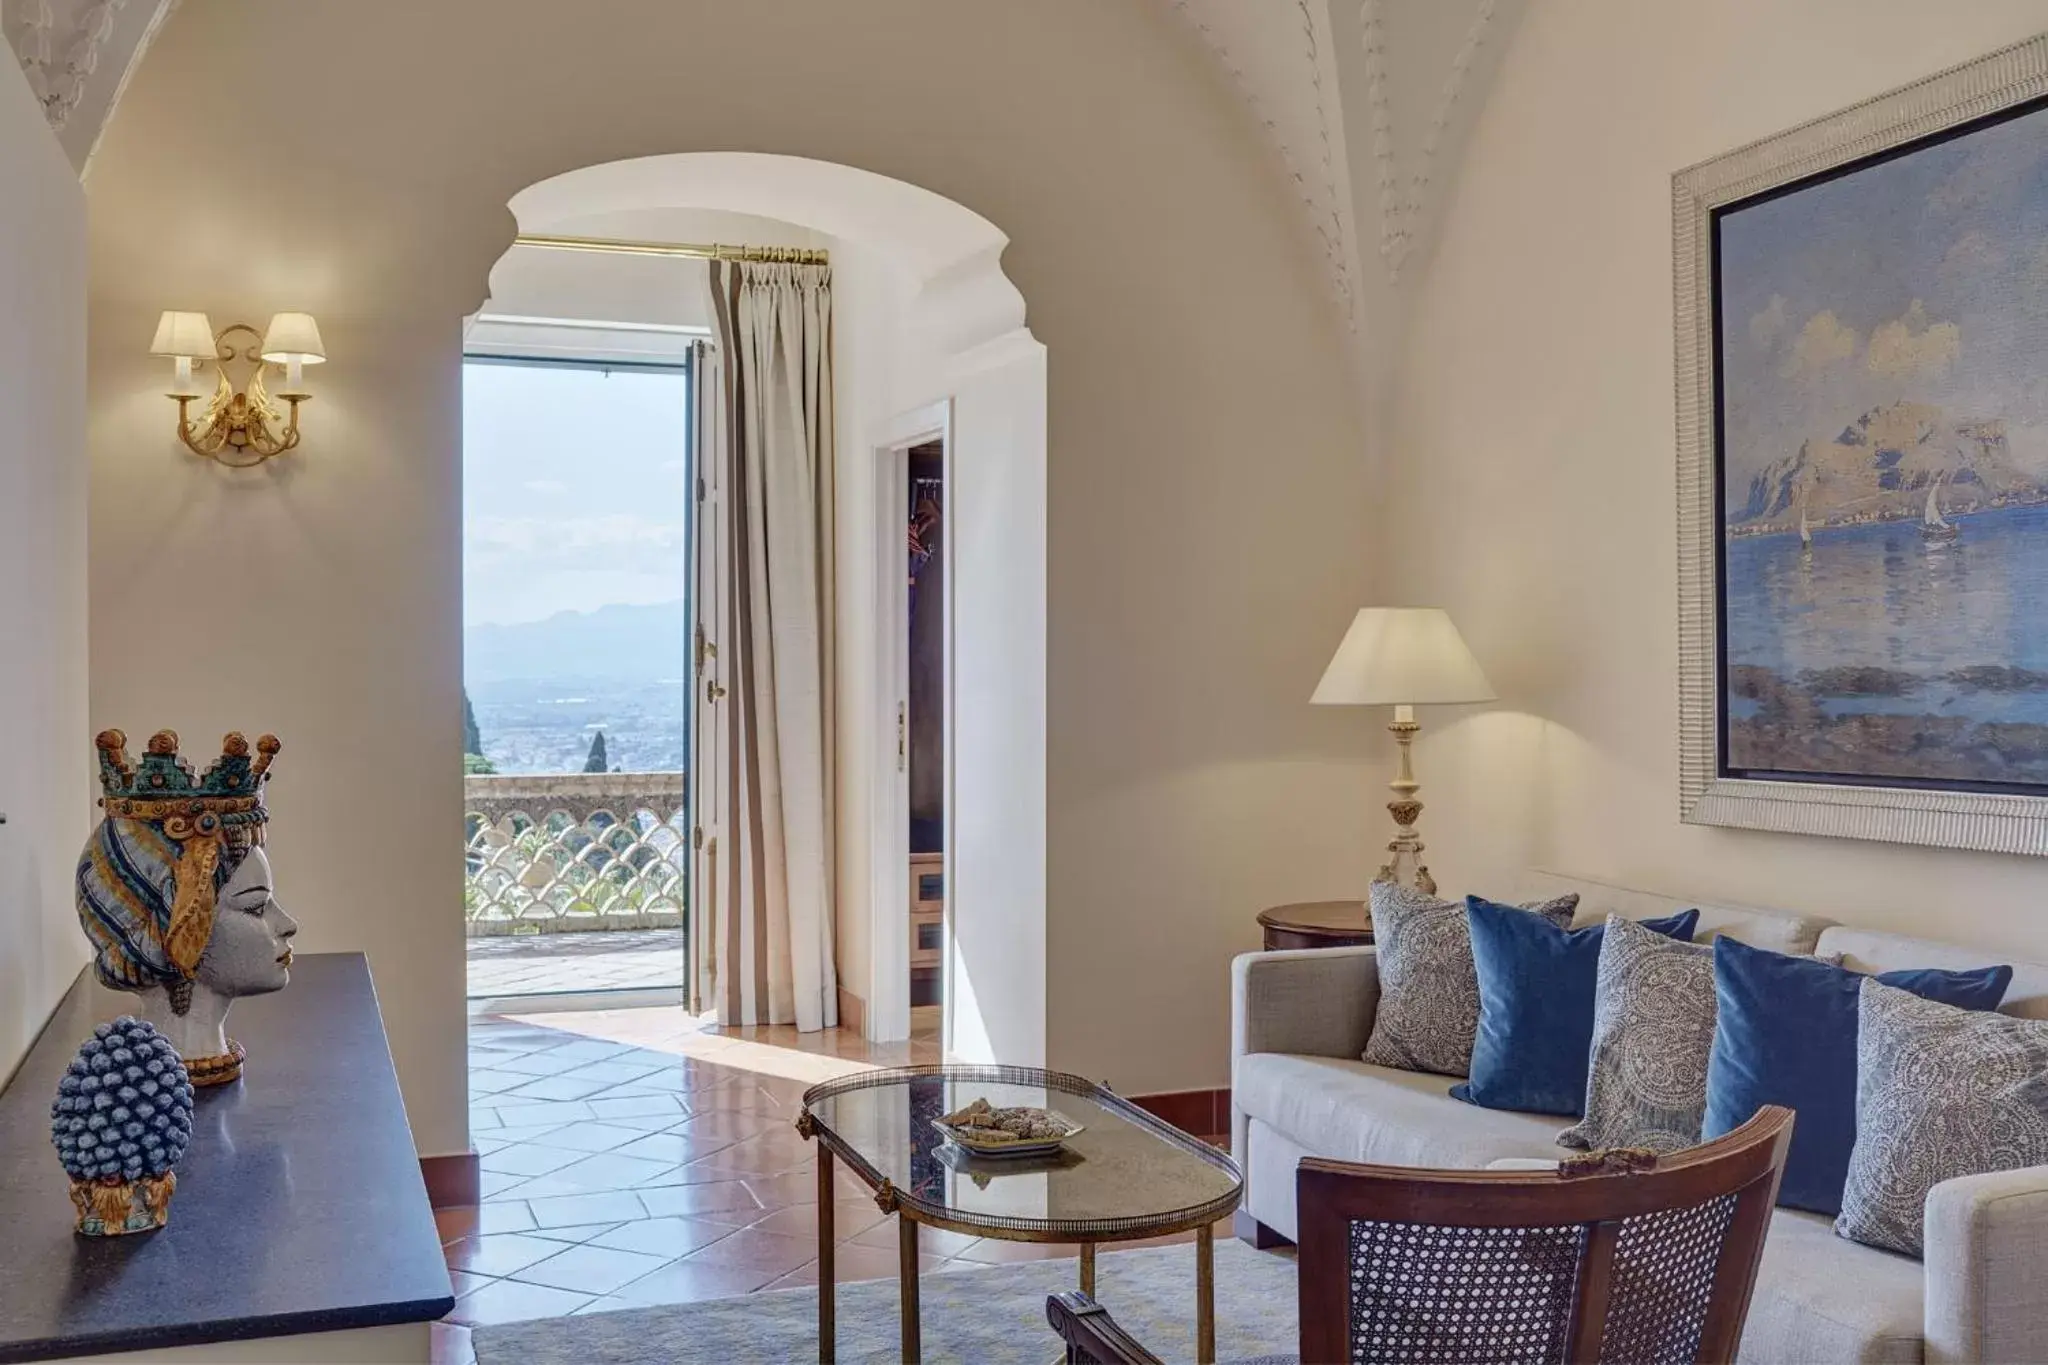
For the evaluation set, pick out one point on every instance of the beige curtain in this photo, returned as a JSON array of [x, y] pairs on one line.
[[772, 932]]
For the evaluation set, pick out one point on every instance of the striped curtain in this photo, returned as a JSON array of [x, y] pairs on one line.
[[767, 945]]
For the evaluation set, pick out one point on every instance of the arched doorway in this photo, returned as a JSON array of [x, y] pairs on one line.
[[927, 329]]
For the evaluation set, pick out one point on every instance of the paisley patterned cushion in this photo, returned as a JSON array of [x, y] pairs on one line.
[[1429, 989], [1653, 1030], [1941, 1092]]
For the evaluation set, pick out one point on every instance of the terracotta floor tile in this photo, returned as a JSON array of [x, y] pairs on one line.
[[614, 1140], [606, 1171], [527, 1159], [466, 1283], [591, 1269], [488, 1081], [884, 1236], [492, 1184], [780, 1191], [589, 1137], [671, 1149], [687, 1282], [611, 1206], [666, 1237], [534, 1065], [728, 1201], [498, 1253], [515, 1115], [752, 1249], [990, 1251], [551, 1088], [650, 1123], [850, 1218], [717, 1123], [511, 1301], [851, 1263], [454, 1224], [632, 1105], [627, 1067], [578, 1232]]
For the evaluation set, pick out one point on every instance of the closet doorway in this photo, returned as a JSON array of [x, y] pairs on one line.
[[925, 727], [912, 935]]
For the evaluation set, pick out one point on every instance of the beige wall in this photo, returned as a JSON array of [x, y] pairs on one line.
[[45, 748], [1205, 496], [1535, 487]]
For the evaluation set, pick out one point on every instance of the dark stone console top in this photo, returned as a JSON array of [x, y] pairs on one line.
[[299, 1208]]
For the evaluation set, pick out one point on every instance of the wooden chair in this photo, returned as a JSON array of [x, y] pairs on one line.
[[1613, 1257]]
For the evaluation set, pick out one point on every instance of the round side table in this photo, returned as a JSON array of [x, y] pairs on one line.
[[1316, 924]]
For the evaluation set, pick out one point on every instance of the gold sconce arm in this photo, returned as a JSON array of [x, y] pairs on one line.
[[244, 428]]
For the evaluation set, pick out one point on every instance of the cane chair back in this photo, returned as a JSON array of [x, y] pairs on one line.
[[1617, 1257]]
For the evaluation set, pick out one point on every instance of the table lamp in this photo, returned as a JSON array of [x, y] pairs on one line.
[[1403, 657]]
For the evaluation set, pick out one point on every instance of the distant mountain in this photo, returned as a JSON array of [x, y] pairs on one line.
[[626, 643], [1880, 467]]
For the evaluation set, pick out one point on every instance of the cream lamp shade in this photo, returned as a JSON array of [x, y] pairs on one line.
[[1402, 656], [293, 341], [187, 336], [184, 337]]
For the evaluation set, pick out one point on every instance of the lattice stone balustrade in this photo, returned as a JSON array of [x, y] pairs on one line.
[[580, 851]]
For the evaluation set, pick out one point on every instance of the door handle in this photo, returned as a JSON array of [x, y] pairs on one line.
[[712, 691]]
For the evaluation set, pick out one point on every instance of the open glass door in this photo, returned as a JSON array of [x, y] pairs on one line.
[[710, 736]]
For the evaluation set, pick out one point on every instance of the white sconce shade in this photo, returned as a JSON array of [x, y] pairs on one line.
[[1402, 656], [293, 341], [294, 336], [183, 335]]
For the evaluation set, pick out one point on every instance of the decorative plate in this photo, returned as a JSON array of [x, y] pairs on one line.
[[984, 1140]]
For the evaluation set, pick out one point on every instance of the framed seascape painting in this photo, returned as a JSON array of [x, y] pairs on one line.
[[1862, 311]]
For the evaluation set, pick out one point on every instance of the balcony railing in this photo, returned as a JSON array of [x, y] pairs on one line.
[[582, 851]]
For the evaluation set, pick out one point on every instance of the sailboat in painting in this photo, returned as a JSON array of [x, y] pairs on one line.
[[1936, 529]]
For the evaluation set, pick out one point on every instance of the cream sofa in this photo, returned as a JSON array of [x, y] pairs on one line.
[[1300, 1020]]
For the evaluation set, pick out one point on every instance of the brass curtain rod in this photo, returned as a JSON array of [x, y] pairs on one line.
[[780, 255]]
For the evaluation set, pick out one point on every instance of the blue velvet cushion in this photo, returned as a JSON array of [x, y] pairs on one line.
[[1785, 1033], [1536, 985]]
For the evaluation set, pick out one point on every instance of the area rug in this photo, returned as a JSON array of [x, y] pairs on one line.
[[986, 1317]]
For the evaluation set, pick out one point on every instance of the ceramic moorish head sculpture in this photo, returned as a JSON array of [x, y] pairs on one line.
[[175, 892]]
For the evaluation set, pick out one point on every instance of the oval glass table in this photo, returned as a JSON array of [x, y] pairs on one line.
[[1126, 1175]]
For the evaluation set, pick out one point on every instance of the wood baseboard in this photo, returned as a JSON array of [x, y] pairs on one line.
[[1205, 1113], [452, 1181], [853, 1012]]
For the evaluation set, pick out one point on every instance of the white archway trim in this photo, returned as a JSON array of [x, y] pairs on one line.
[[952, 255]]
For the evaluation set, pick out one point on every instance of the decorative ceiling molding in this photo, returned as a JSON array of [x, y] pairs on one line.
[[1280, 60], [77, 56], [1367, 104], [1403, 199]]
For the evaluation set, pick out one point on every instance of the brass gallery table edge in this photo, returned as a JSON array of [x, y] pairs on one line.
[[1086, 1234]]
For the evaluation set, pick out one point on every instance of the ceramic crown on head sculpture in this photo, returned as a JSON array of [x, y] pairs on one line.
[[175, 892]]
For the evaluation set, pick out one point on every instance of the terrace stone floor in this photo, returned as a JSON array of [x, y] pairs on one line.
[[553, 964]]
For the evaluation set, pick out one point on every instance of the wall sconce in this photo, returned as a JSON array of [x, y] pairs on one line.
[[239, 428]]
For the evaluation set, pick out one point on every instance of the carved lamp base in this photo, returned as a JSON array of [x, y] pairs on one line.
[[115, 1208], [1406, 845]]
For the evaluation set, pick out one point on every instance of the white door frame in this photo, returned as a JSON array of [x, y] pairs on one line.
[[888, 1017]]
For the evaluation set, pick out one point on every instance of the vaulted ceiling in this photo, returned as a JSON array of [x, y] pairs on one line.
[[1366, 105]]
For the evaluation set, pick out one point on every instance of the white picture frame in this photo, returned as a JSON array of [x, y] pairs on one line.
[[1982, 821]]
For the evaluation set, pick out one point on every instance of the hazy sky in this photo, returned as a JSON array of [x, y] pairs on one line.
[[1924, 278], [575, 490]]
